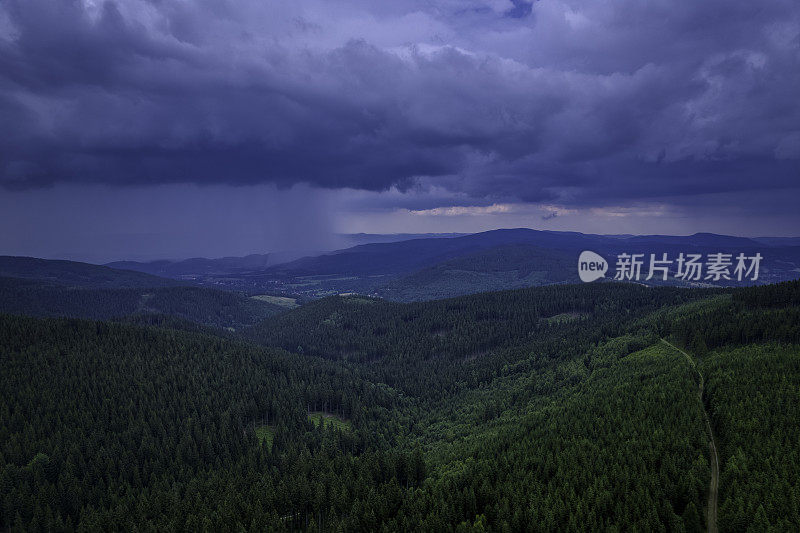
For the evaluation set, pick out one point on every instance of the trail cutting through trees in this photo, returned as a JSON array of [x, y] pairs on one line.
[[713, 491]]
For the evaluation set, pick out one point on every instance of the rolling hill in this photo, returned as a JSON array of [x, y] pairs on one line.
[[77, 274], [567, 406], [436, 266], [412, 255], [422, 269], [199, 266], [502, 267], [47, 288]]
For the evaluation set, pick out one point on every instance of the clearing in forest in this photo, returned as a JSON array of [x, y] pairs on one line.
[[340, 423]]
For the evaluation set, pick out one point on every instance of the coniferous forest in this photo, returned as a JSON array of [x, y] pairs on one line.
[[546, 409], [413, 266]]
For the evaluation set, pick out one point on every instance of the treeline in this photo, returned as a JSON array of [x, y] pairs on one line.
[[777, 295], [748, 315]]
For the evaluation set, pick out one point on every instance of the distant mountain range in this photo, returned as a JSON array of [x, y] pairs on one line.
[[406, 256], [421, 269], [425, 266], [355, 239], [429, 267], [779, 241], [199, 265]]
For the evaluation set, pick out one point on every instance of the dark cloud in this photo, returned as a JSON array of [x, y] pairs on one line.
[[520, 9], [571, 103]]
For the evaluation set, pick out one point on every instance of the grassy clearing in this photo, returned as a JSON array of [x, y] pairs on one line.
[[265, 433], [337, 422], [283, 301]]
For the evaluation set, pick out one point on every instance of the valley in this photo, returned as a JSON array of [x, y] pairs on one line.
[[552, 407], [433, 267], [397, 267]]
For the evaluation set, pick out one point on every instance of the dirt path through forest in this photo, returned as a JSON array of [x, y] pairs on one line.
[[713, 491]]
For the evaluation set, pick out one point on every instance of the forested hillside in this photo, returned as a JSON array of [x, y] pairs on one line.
[[619, 445], [111, 427], [434, 348], [548, 409], [502, 267], [49, 288], [754, 400], [197, 304]]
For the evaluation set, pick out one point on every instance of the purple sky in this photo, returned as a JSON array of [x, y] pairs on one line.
[[169, 128]]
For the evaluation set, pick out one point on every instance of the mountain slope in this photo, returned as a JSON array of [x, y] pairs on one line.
[[503, 267], [403, 256], [195, 304], [407, 256], [443, 266], [558, 406], [118, 428], [432, 268], [48, 288], [199, 265], [76, 274], [503, 382]]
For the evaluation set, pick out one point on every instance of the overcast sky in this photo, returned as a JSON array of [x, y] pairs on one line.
[[170, 128]]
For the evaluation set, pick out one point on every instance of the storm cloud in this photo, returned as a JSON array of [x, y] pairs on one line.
[[574, 103]]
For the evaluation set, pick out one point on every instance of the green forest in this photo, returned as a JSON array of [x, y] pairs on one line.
[[197, 305], [557, 408]]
